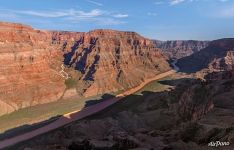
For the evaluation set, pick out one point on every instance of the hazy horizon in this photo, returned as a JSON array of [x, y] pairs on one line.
[[154, 19]]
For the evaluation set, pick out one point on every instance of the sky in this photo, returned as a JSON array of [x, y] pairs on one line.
[[155, 19]]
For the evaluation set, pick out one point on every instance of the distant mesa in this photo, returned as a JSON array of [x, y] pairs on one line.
[[218, 56], [180, 48]]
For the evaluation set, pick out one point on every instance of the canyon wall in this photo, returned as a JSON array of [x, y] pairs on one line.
[[218, 56], [97, 62], [179, 48], [195, 102], [109, 61], [26, 77]]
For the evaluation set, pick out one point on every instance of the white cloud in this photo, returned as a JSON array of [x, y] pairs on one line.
[[95, 16], [175, 2], [152, 14], [95, 3], [158, 2], [43, 13], [61, 13], [120, 15], [90, 14]]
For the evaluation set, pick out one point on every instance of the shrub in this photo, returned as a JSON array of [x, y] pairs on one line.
[[70, 83]]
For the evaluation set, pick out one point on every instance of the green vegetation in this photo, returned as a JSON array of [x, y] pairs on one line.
[[42, 112], [70, 83], [117, 92], [155, 86], [131, 102], [25, 128]]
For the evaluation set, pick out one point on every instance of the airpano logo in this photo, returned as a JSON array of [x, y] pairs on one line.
[[218, 143]]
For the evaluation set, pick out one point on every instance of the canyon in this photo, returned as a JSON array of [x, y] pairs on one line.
[[31, 62], [185, 110], [196, 109], [189, 116], [180, 48], [26, 77], [218, 56]]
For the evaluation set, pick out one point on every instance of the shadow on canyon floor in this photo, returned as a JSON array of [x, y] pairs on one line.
[[103, 98], [29, 127], [26, 128], [129, 103]]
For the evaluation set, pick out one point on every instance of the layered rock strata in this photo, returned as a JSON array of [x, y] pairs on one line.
[[179, 48], [96, 62], [218, 56]]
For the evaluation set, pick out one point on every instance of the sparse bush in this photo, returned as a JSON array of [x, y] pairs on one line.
[[70, 83]]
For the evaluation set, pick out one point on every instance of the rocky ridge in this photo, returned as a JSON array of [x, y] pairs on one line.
[[31, 62], [218, 56], [101, 57], [188, 117], [26, 77], [179, 48]]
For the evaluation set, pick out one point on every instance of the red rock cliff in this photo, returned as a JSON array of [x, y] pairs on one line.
[[26, 77], [98, 62], [179, 49], [218, 56], [109, 60]]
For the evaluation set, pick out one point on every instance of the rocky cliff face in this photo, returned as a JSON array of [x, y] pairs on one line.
[[190, 116], [97, 62], [195, 102], [222, 75], [179, 49], [218, 56], [26, 77], [108, 60]]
